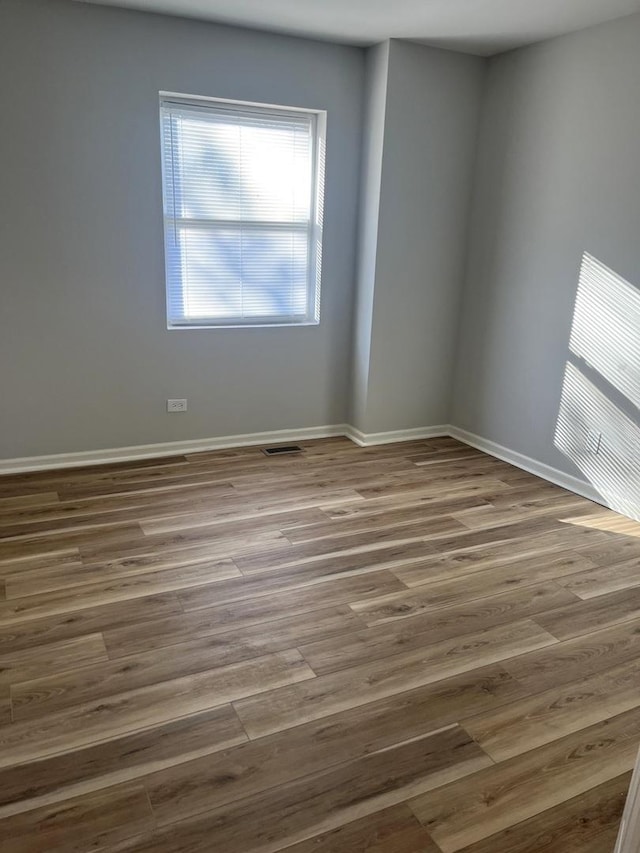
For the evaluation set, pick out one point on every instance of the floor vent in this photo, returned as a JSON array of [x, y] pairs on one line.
[[277, 451]]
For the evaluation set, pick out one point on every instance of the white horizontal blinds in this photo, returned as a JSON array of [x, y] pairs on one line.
[[239, 210]]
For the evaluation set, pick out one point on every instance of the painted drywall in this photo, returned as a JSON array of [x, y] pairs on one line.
[[375, 105], [424, 180], [87, 361], [558, 176]]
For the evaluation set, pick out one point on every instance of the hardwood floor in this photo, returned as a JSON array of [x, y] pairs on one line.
[[413, 648]]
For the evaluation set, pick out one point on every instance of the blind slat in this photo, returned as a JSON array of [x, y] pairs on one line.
[[242, 230]]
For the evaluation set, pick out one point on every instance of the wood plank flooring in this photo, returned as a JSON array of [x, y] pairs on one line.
[[414, 648]]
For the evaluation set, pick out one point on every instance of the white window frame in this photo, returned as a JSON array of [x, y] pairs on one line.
[[314, 228]]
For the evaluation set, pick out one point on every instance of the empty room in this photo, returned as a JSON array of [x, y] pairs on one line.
[[320, 426]]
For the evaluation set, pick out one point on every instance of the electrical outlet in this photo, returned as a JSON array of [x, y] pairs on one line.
[[176, 405], [594, 441]]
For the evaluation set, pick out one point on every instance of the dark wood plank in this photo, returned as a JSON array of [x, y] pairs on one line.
[[125, 713], [298, 811], [524, 553], [431, 521], [122, 758], [295, 554], [9, 504], [605, 579], [577, 658], [276, 600], [229, 652], [64, 626], [535, 720], [282, 757], [81, 823], [393, 830], [470, 810], [584, 617], [53, 658], [339, 691], [233, 644], [422, 630], [5, 705], [444, 593], [103, 678], [112, 535], [95, 594], [585, 824]]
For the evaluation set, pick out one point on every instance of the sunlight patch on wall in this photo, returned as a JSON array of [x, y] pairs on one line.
[[613, 468], [606, 326]]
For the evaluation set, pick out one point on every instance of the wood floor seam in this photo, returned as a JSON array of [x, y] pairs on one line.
[[411, 647]]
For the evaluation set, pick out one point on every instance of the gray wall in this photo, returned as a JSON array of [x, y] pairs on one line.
[[86, 359], [425, 179], [558, 175], [375, 108]]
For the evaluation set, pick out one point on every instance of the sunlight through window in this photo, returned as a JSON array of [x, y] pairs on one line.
[[606, 327], [614, 470], [243, 203], [602, 375]]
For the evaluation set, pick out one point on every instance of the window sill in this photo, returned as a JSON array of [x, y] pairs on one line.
[[190, 327]]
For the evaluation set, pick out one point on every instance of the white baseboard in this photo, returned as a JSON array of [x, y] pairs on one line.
[[167, 448], [546, 472], [372, 438], [177, 448]]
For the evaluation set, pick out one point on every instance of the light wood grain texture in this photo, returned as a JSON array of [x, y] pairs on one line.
[[5, 705], [581, 657], [507, 793], [412, 648], [544, 717], [339, 691], [443, 593], [601, 580], [584, 617], [140, 708], [52, 659], [524, 554], [583, 824], [227, 644], [297, 811], [41, 696], [121, 758], [90, 595], [393, 830], [232, 606], [497, 515], [90, 620], [96, 819], [8, 504], [318, 745], [421, 630]]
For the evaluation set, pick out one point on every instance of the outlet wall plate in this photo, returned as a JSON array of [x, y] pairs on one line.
[[176, 405]]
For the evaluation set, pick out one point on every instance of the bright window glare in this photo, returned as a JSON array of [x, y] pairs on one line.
[[234, 172], [243, 213]]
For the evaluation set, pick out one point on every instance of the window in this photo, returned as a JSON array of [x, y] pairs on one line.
[[243, 191]]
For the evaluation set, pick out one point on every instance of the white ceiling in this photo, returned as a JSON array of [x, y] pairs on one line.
[[474, 26]]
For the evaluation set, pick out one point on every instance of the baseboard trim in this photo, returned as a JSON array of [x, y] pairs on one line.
[[374, 438], [167, 448], [177, 448], [546, 472]]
